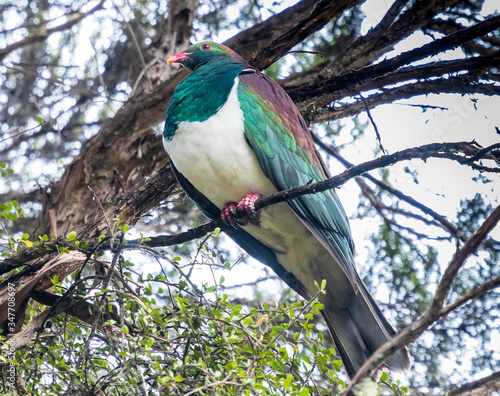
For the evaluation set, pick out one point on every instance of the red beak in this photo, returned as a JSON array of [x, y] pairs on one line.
[[177, 58]]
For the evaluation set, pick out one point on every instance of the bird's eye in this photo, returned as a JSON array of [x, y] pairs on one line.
[[206, 47]]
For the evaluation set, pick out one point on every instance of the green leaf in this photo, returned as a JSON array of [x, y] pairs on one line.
[[337, 364], [234, 338], [71, 236], [304, 392]]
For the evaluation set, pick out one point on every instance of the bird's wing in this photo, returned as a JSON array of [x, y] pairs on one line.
[[252, 246], [286, 152]]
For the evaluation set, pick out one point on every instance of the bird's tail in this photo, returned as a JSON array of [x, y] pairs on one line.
[[359, 329]]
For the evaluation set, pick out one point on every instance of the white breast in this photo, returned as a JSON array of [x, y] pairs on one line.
[[215, 157]]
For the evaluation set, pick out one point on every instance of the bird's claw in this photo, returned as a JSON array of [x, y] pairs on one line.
[[246, 208], [242, 212], [228, 214]]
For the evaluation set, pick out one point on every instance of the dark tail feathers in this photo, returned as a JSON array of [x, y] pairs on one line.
[[359, 329]]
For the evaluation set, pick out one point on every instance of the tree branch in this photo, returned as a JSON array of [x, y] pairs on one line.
[[322, 13], [452, 41], [434, 150], [482, 387], [411, 201], [35, 38], [450, 26], [413, 331], [459, 84], [476, 292]]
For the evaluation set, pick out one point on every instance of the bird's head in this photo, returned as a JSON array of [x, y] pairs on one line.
[[203, 53]]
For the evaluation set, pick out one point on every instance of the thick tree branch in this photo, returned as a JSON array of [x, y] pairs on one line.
[[450, 26], [443, 69], [383, 36], [38, 275], [322, 13], [459, 84], [482, 387], [248, 42], [322, 87]]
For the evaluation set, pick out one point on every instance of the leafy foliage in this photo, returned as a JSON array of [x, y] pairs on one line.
[[164, 335]]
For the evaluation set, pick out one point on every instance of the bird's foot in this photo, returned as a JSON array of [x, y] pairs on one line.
[[241, 213], [246, 208], [228, 214]]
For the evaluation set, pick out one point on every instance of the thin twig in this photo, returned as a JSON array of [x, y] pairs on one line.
[[105, 217], [367, 108]]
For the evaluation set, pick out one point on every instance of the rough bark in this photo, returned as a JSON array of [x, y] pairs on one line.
[[126, 149], [482, 387]]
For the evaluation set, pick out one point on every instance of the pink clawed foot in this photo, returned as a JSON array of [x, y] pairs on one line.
[[246, 207], [228, 214], [241, 213]]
